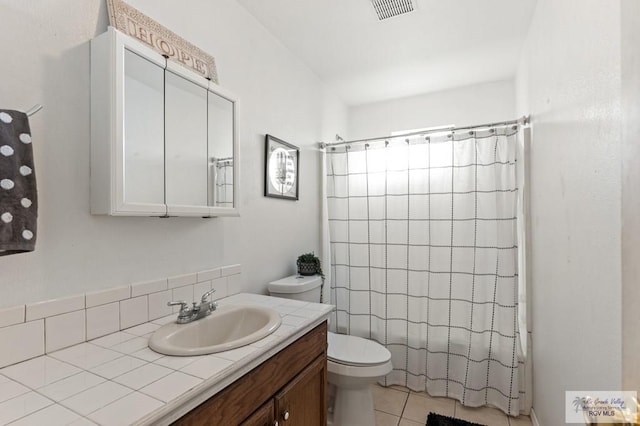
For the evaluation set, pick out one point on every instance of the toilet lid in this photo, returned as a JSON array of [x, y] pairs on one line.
[[355, 350], [295, 284]]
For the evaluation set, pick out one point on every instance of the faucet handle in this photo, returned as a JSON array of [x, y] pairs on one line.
[[207, 295], [182, 304]]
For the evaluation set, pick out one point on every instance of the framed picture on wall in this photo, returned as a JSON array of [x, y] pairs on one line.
[[282, 161]]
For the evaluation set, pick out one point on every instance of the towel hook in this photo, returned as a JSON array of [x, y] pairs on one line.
[[34, 109]]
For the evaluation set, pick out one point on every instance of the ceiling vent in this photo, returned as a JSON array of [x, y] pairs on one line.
[[386, 9]]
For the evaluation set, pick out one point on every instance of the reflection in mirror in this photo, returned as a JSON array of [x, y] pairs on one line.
[[186, 142], [143, 130], [221, 155]]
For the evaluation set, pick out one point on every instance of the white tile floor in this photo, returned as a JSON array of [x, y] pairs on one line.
[[398, 406]]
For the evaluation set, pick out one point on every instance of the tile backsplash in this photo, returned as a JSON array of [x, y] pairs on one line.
[[31, 330]]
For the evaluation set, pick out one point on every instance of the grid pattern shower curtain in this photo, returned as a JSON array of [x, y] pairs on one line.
[[424, 258]]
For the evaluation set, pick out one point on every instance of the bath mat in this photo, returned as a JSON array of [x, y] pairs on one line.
[[438, 420]]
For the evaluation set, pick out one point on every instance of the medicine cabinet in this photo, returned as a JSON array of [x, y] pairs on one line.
[[164, 140]]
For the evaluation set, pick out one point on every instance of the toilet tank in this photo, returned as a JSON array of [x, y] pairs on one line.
[[297, 287]]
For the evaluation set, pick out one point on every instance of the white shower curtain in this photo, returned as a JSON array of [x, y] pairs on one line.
[[424, 260]]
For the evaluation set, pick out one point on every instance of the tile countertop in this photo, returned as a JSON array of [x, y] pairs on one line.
[[118, 380]]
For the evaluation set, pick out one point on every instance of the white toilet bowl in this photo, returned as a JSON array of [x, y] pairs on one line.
[[353, 364]]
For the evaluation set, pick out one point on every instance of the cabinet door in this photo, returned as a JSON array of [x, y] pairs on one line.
[[185, 145], [143, 131], [263, 416], [303, 402], [127, 127], [222, 156]]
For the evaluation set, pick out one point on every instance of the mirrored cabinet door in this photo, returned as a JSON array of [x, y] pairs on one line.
[[185, 143], [143, 130], [127, 127], [221, 151]]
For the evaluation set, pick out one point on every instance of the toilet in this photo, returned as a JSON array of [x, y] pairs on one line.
[[353, 363]]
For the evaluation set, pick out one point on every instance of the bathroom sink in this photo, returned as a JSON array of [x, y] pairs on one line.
[[228, 327]]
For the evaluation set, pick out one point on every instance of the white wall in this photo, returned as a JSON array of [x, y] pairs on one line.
[[569, 81], [335, 117], [468, 105], [49, 64]]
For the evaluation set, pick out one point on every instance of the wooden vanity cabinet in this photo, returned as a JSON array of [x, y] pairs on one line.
[[289, 389]]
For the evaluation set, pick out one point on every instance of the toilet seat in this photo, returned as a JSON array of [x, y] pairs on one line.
[[356, 351], [353, 371], [352, 351]]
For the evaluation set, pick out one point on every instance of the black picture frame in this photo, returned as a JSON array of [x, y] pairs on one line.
[[281, 169]]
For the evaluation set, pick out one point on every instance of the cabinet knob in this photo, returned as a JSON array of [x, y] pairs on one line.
[[285, 415]]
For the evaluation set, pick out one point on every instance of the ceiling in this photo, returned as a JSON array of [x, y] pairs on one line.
[[440, 45]]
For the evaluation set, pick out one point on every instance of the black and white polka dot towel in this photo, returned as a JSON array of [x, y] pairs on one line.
[[18, 194]]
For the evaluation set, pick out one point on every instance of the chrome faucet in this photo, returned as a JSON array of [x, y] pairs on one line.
[[195, 312]]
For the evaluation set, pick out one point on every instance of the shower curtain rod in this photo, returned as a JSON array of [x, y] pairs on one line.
[[523, 121]]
